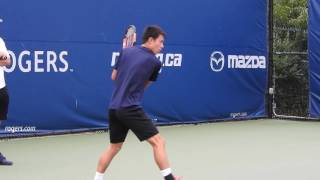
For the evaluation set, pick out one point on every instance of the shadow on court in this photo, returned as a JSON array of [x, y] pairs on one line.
[[243, 150]]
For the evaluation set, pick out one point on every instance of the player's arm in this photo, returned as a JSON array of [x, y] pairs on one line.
[[4, 59], [153, 76], [129, 40], [114, 74]]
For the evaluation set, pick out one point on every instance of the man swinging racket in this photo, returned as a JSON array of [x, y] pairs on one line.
[[134, 70]]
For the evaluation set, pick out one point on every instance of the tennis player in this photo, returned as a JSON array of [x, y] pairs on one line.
[[4, 97], [136, 68]]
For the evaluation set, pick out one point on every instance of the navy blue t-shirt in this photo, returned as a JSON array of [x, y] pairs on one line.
[[135, 66]]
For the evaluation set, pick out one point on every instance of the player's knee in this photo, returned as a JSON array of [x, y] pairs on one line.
[[158, 142], [115, 147]]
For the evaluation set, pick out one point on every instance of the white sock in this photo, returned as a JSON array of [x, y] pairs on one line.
[[99, 176], [165, 172]]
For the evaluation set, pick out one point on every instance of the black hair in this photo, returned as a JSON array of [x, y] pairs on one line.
[[152, 31]]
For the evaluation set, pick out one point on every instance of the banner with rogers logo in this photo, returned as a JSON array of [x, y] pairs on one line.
[[214, 61]]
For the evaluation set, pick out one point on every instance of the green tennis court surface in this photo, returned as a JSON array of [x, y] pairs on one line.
[[243, 150]]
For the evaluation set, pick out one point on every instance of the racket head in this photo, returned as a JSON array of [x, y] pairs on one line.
[[130, 37]]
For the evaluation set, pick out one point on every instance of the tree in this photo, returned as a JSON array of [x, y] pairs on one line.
[[290, 59]]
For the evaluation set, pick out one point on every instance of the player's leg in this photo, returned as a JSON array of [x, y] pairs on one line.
[[144, 129], [117, 133], [4, 103], [159, 151], [161, 157], [107, 156]]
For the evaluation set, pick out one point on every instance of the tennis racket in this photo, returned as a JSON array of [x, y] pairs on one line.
[[130, 37]]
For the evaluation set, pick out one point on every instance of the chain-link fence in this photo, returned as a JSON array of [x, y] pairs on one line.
[[290, 72]]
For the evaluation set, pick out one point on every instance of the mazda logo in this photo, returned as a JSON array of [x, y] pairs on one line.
[[217, 61]]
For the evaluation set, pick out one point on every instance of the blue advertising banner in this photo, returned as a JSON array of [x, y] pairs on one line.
[[314, 57], [214, 61]]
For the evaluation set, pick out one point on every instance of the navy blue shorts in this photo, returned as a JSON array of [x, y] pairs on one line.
[[130, 118]]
